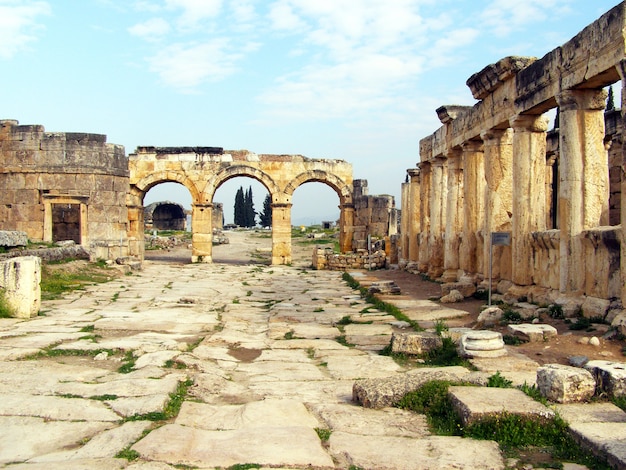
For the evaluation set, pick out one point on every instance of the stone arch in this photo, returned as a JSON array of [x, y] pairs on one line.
[[151, 180], [343, 190], [234, 171]]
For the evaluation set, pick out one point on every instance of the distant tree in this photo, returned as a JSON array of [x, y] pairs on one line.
[[250, 217], [266, 215], [610, 101], [240, 208]]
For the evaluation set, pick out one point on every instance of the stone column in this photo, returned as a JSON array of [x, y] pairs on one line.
[[202, 233], [424, 203], [470, 258], [583, 179], [413, 223], [529, 200], [346, 227], [281, 233], [454, 217], [498, 145], [135, 230], [437, 197], [622, 73]]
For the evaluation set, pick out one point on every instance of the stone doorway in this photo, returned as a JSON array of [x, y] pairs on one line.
[[66, 222]]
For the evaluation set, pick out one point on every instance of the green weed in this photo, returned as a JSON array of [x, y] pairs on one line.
[[323, 433], [499, 381]]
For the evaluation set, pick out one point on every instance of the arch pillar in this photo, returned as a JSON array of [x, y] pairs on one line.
[[346, 227], [201, 233], [470, 251], [454, 216], [281, 233]]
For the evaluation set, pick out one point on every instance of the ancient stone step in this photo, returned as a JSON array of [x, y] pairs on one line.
[[415, 343], [476, 403]]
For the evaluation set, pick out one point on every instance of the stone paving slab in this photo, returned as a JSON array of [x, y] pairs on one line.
[[32, 437], [354, 419], [278, 446], [398, 453], [91, 464], [265, 413], [606, 440], [591, 413], [55, 408]]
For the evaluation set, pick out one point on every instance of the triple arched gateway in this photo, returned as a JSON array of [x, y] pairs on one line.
[[204, 169]]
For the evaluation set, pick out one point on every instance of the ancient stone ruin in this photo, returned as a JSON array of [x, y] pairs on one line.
[[498, 167], [74, 186]]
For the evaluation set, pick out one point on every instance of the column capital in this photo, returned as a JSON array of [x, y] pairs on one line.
[[472, 146], [529, 122], [497, 136], [454, 153], [571, 100]]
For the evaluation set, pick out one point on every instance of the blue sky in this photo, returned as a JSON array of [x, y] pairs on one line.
[[356, 80]]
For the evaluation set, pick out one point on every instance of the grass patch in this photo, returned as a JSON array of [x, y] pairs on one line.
[[499, 381], [103, 397], [515, 434], [243, 466], [55, 282], [323, 433], [343, 341], [50, 351], [129, 363], [87, 329], [172, 407], [127, 454], [379, 304], [511, 316], [445, 355], [512, 340]]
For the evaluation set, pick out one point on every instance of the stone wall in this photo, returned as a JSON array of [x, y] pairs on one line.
[[495, 167], [375, 216], [325, 258], [64, 186]]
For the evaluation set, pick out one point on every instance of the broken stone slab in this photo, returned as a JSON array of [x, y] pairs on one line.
[[453, 297], [455, 333], [610, 377], [481, 343], [11, 238], [476, 403], [384, 287], [91, 464], [387, 391], [565, 384], [415, 343], [466, 289], [401, 453], [273, 446], [533, 332], [55, 408], [489, 316], [526, 310]]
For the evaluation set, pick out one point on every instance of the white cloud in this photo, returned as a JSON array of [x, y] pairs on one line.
[[185, 66], [282, 17], [151, 30], [195, 11], [505, 16], [18, 24]]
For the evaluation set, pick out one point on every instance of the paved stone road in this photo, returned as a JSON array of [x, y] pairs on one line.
[[256, 347]]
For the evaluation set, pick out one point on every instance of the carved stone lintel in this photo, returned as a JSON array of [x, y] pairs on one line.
[[491, 77], [448, 113]]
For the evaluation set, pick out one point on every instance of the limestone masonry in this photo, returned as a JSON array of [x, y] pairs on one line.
[[496, 167]]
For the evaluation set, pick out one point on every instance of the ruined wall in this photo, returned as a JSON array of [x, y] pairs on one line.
[[495, 167], [325, 258], [64, 185], [373, 215]]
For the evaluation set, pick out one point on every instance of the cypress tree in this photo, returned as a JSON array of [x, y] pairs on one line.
[[610, 101], [266, 215], [249, 209], [239, 217]]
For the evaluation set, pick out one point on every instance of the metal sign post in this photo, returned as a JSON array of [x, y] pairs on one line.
[[499, 239]]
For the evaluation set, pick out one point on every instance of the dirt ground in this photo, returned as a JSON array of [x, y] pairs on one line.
[[251, 247]]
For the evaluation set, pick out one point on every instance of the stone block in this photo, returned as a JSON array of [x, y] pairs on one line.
[[465, 288], [481, 343], [565, 384], [490, 316], [12, 238], [595, 307], [526, 310], [610, 377], [453, 297], [19, 279], [532, 332], [476, 403], [415, 343]]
